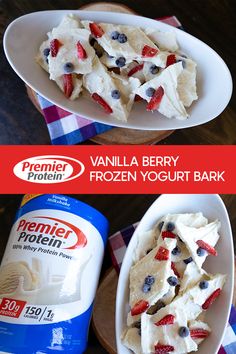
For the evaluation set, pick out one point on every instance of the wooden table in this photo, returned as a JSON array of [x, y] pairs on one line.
[[121, 210], [210, 20]]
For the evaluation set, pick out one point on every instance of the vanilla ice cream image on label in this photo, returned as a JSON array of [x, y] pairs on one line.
[[56, 244]]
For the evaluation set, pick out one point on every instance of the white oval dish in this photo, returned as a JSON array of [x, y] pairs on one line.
[[212, 207], [24, 36]]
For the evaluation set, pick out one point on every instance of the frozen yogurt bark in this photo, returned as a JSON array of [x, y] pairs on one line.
[[162, 95], [169, 326], [113, 93]]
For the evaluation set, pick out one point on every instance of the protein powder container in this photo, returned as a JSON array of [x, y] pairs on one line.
[[49, 275]]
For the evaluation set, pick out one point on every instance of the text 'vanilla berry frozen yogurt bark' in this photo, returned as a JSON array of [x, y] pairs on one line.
[[170, 292], [119, 65]]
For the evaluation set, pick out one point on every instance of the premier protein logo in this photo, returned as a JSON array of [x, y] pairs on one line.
[[49, 169], [49, 231]]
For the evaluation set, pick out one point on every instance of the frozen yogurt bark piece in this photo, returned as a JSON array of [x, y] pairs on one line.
[[162, 95], [164, 40], [72, 87], [69, 21], [146, 241], [126, 42], [112, 92], [187, 87], [186, 307], [70, 52], [132, 340], [134, 69], [149, 277], [154, 333], [191, 276], [200, 242]]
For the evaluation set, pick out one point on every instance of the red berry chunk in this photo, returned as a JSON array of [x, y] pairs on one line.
[[167, 234], [162, 348], [211, 299], [68, 85], [137, 98], [102, 103], [135, 69], [162, 254], [139, 307], [211, 250], [173, 267], [167, 320], [55, 44], [155, 100], [171, 59], [199, 333], [149, 52], [81, 51], [96, 30]]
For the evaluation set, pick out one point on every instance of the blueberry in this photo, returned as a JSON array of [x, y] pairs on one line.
[[115, 35], [170, 226], [120, 62], [146, 288], [201, 252], [68, 67], [154, 69], [122, 38], [188, 260], [173, 281], [176, 251], [203, 284], [115, 94], [149, 280], [46, 52], [160, 225], [150, 91], [183, 62], [183, 332]]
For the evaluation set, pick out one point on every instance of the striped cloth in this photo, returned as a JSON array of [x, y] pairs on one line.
[[66, 128], [117, 244]]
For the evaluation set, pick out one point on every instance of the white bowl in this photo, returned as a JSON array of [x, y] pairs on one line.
[[213, 208], [24, 36]]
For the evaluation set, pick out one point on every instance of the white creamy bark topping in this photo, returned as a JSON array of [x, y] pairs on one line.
[[170, 105], [150, 266], [164, 40]]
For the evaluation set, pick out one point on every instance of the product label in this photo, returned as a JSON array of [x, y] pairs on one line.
[[50, 269]]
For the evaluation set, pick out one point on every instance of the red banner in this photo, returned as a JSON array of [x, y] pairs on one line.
[[118, 169]]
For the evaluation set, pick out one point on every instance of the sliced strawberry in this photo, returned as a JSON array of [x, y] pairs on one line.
[[162, 254], [162, 348], [135, 69], [199, 333], [211, 250], [102, 103], [81, 51], [139, 307], [168, 234], [173, 267], [96, 30], [55, 44], [149, 52], [167, 320], [155, 100], [137, 98], [68, 85], [211, 299], [171, 59]]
